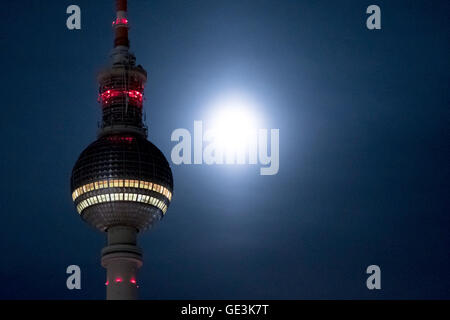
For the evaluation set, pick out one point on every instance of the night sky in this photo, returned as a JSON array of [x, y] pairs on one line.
[[364, 148]]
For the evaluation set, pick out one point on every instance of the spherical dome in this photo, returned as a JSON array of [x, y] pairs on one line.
[[121, 179]]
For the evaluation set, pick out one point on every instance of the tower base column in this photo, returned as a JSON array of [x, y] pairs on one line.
[[122, 259]]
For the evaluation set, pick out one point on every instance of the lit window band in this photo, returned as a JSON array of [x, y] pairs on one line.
[[121, 183], [121, 197]]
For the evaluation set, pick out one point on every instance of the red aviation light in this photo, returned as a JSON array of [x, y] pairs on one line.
[[133, 281], [119, 280], [120, 139], [120, 21], [110, 94], [133, 95]]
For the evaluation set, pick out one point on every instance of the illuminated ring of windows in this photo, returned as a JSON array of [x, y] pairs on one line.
[[120, 183], [111, 197]]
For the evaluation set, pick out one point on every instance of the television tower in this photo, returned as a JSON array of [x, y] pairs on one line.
[[121, 183]]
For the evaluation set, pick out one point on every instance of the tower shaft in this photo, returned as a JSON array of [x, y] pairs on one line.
[[122, 259]]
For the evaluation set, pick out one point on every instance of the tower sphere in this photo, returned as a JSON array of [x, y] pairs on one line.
[[122, 180]]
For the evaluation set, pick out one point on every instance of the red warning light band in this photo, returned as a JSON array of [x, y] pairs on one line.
[[120, 21], [108, 96]]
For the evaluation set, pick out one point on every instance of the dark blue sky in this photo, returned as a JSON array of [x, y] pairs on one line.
[[364, 148]]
